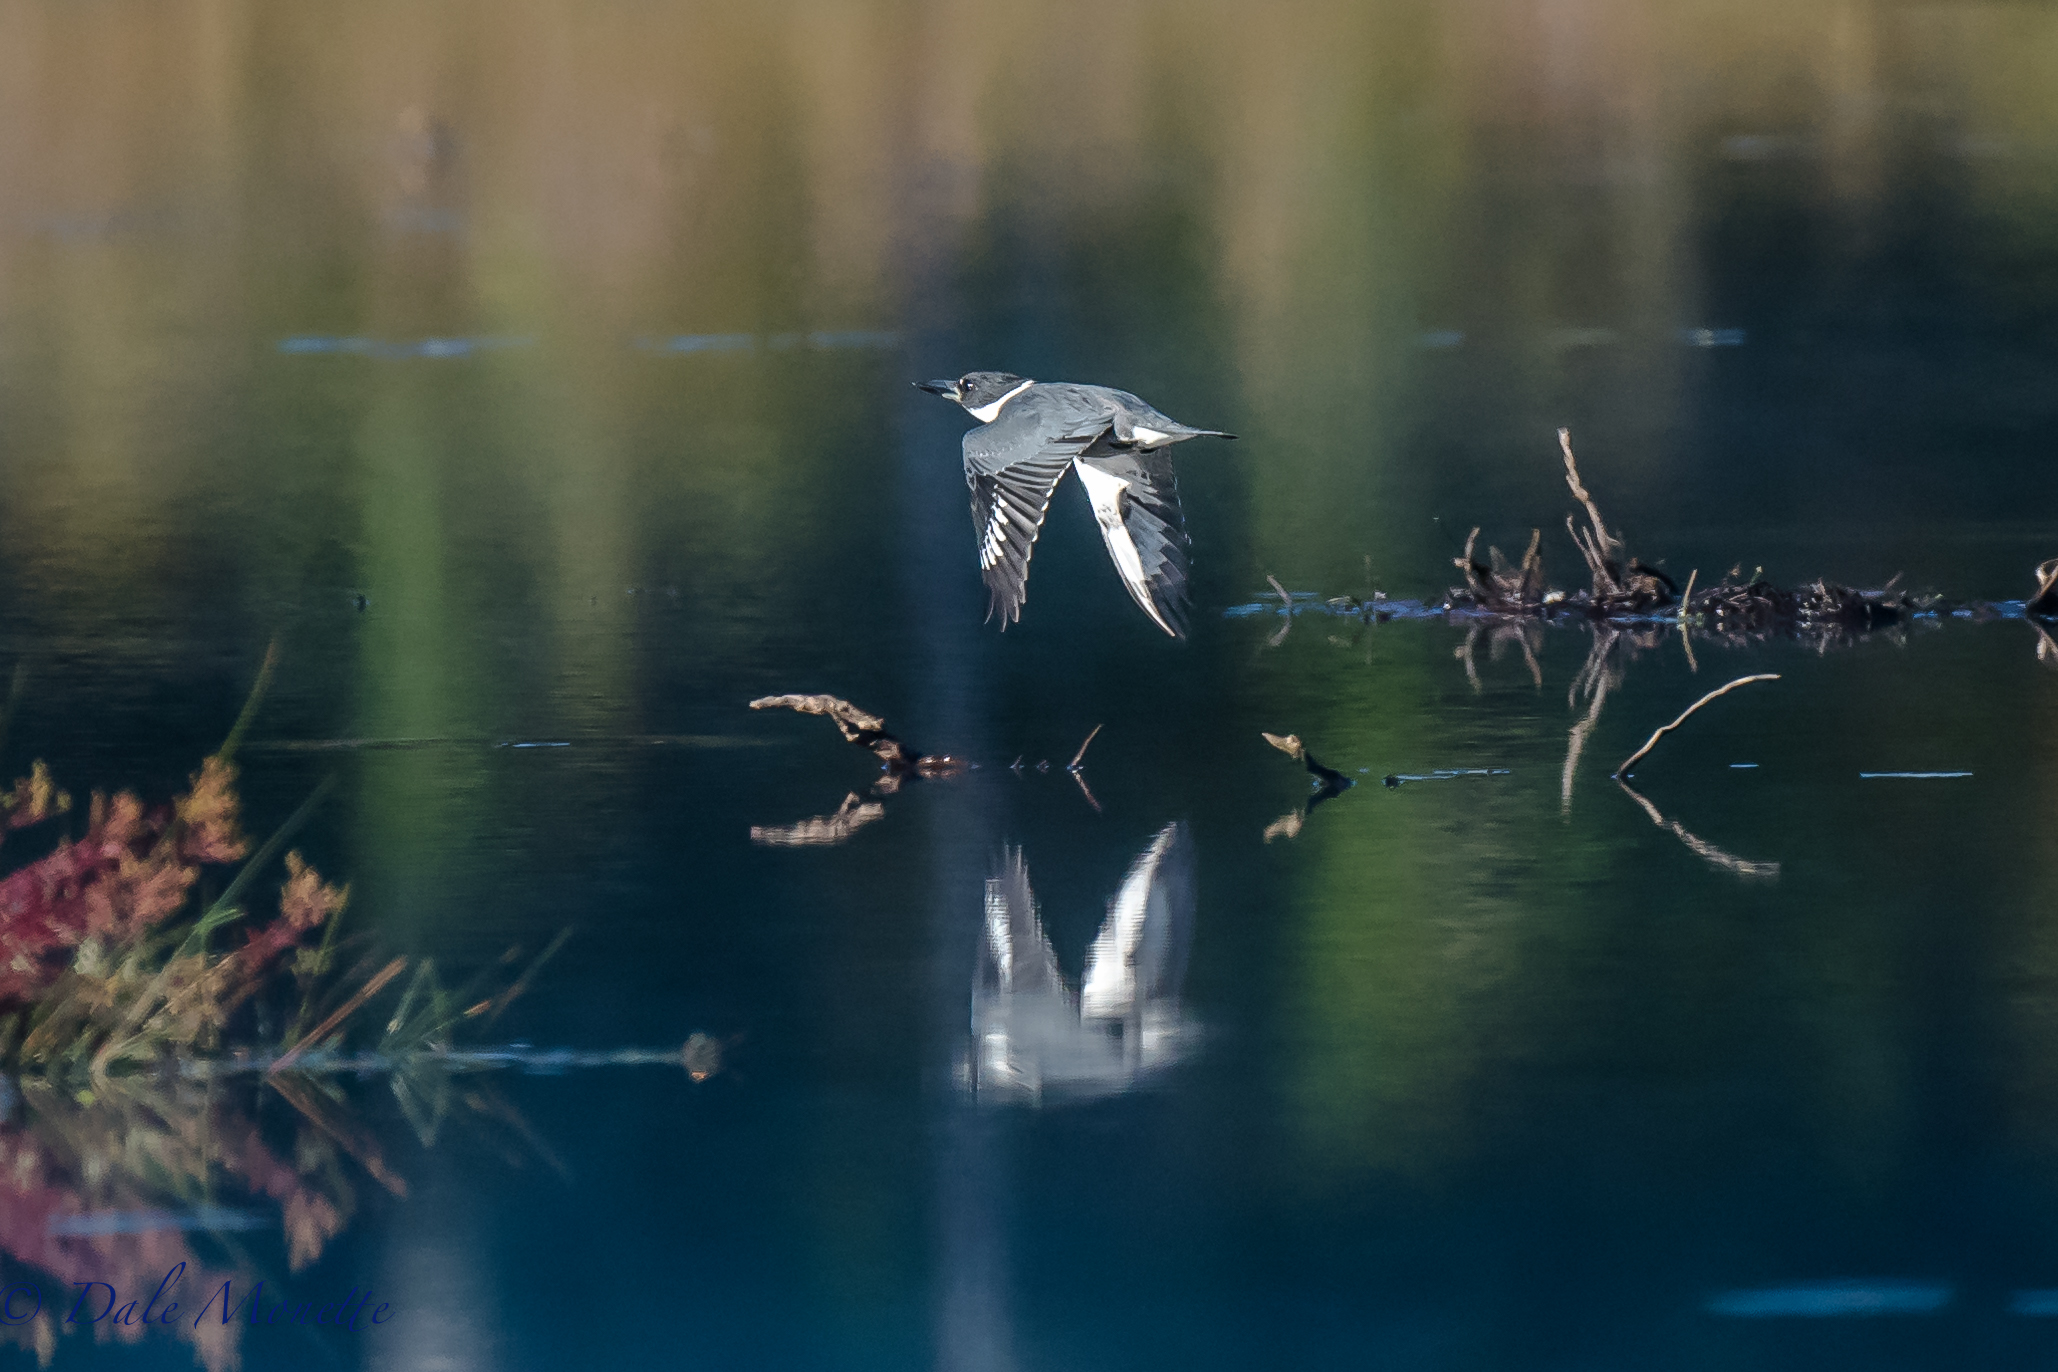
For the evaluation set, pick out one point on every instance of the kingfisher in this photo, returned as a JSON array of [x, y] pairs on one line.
[[1030, 434]]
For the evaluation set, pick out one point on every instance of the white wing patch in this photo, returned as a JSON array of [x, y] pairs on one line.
[[1108, 988], [1106, 492], [996, 536]]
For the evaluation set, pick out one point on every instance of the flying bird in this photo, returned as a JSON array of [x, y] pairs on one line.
[[1030, 434]]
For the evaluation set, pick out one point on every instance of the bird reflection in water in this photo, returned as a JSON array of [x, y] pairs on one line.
[[1033, 1036]]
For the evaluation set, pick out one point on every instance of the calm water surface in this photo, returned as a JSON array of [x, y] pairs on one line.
[[541, 376]]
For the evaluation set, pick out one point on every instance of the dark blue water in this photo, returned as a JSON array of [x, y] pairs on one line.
[[543, 380]]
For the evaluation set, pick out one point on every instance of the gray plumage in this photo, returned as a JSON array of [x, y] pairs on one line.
[[1030, 435]]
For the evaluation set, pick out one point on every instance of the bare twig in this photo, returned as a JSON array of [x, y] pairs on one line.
[[1605, 542], [1475, 580], [1597, 545], [343, 1012], [1283, 596], [1080, 756], [1078, 774], [1652, 741]]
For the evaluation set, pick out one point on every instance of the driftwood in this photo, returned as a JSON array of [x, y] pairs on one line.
[[902, 763], [868, 731], [2044, 603], [1329, 783], [1328, 778], [1621, 584], [1652, 741], [1495, 582]]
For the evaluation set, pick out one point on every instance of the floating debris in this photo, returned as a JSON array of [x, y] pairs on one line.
[[1328, 783], [1399, 779], [1910, 776], [1627, 592]]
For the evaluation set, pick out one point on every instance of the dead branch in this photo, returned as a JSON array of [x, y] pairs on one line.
[[1600, 546], [1499, 586], [1080, 756], [1652, 741], [1292, 746], [2045, 601], [867, 731]]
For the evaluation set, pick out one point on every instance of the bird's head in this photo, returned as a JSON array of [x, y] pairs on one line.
[[977, 391]]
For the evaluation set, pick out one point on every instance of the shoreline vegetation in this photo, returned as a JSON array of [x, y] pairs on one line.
[[146, 1023]]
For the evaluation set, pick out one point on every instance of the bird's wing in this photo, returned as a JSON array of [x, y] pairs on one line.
[[1136, 501], [1013, 465], [1019, 955]]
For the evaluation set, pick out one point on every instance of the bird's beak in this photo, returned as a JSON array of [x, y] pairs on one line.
[[947, 389]]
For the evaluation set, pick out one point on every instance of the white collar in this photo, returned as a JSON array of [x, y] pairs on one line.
[[986, 414]]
